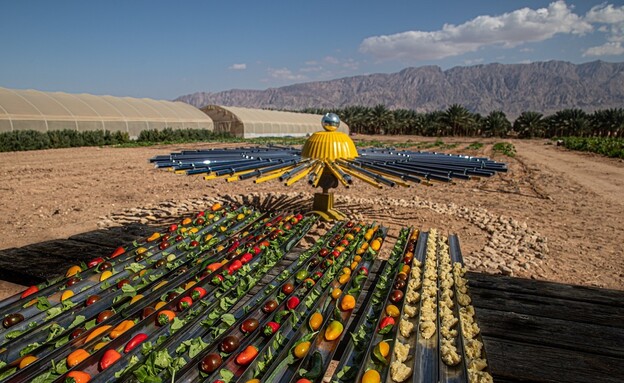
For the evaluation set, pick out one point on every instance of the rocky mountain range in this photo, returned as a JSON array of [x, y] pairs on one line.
[[544, 87]]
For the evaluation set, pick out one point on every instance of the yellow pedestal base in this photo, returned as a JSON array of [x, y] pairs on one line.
[[324, 206]]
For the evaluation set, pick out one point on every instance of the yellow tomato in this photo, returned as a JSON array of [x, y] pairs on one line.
[[141, 250], [189, 285], [136, 298], [28, 359], [105, 275], [393, 311], [334, 330], [346, 270], [159, 305], [316, 320], [347, 303], [336, 293], [153, 237], [357, 258], [371, 376], [376, 244], [301, 349], [73, 271], [384, 348], [67, 294], [344, 278]]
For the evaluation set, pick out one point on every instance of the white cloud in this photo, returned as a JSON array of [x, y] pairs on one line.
[[238, 67], [507, 30], [612, 25], [612, 48], [285, 74], [605, 14]]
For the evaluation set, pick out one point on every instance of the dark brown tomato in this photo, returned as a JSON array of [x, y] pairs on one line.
[[12, 320], [249, 325], [402, 276], [104, 315], [147, 311], [72, 281], [314, 262], [139, 258], [92, 299], [171, 296], [229, 344], [269, 306], [160, 263], [399, 284], [210, 363], [123, 282], [288, 288], [77, 332], [105, 266], [396, 296]]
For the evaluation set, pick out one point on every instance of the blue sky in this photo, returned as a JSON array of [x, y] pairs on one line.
[[164, 49]]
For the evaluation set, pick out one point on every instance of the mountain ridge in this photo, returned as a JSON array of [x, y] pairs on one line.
[[545, 87]]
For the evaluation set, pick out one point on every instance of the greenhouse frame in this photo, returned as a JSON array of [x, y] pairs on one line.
[[47, 111], [251, 123]]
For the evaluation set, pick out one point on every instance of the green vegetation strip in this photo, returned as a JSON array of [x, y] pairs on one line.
[[606, 146]]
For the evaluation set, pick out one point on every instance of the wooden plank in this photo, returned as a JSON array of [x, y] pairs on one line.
[[528, 362], [115, 236], [582, 337], [70, 251], [26, 267], [575, 311], [548, 289]]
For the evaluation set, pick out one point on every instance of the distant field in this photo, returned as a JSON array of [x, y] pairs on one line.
[[610, 147]]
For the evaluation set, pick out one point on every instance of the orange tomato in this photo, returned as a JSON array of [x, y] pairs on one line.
[[76, 357], [347, 303]]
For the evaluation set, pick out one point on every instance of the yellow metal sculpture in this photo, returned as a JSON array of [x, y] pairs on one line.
[[328, 159]]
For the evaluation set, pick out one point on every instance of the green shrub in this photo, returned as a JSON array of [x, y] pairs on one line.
[[606, 146], [34, 140], [475, 146], [505, 148]]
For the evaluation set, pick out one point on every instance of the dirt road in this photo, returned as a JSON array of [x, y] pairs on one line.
[[604, 177]]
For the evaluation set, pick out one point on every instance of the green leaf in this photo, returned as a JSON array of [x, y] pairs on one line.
[[26, 350], [55, 330], [14, 334], [197, 345], [176, 324], [53, 311], [77, 320], [228, 319], [134, 267], [59, 368], [128, 290], [226, 375], [48, 377], [90, 324], [43, 304]]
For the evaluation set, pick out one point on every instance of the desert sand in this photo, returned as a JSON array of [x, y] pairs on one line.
[[556, 215]]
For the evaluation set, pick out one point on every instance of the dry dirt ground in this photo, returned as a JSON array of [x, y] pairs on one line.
[[556, 215]]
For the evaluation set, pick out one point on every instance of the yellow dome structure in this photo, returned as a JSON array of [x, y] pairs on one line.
[[328, 159], [329, 146]]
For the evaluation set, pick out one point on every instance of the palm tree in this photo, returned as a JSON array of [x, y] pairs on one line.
[[529, 125], [496, 124], [568, 122], [607, 122], [382, 119], [457, 119]]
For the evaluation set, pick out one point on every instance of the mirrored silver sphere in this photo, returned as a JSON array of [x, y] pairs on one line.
[[330, 121]]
